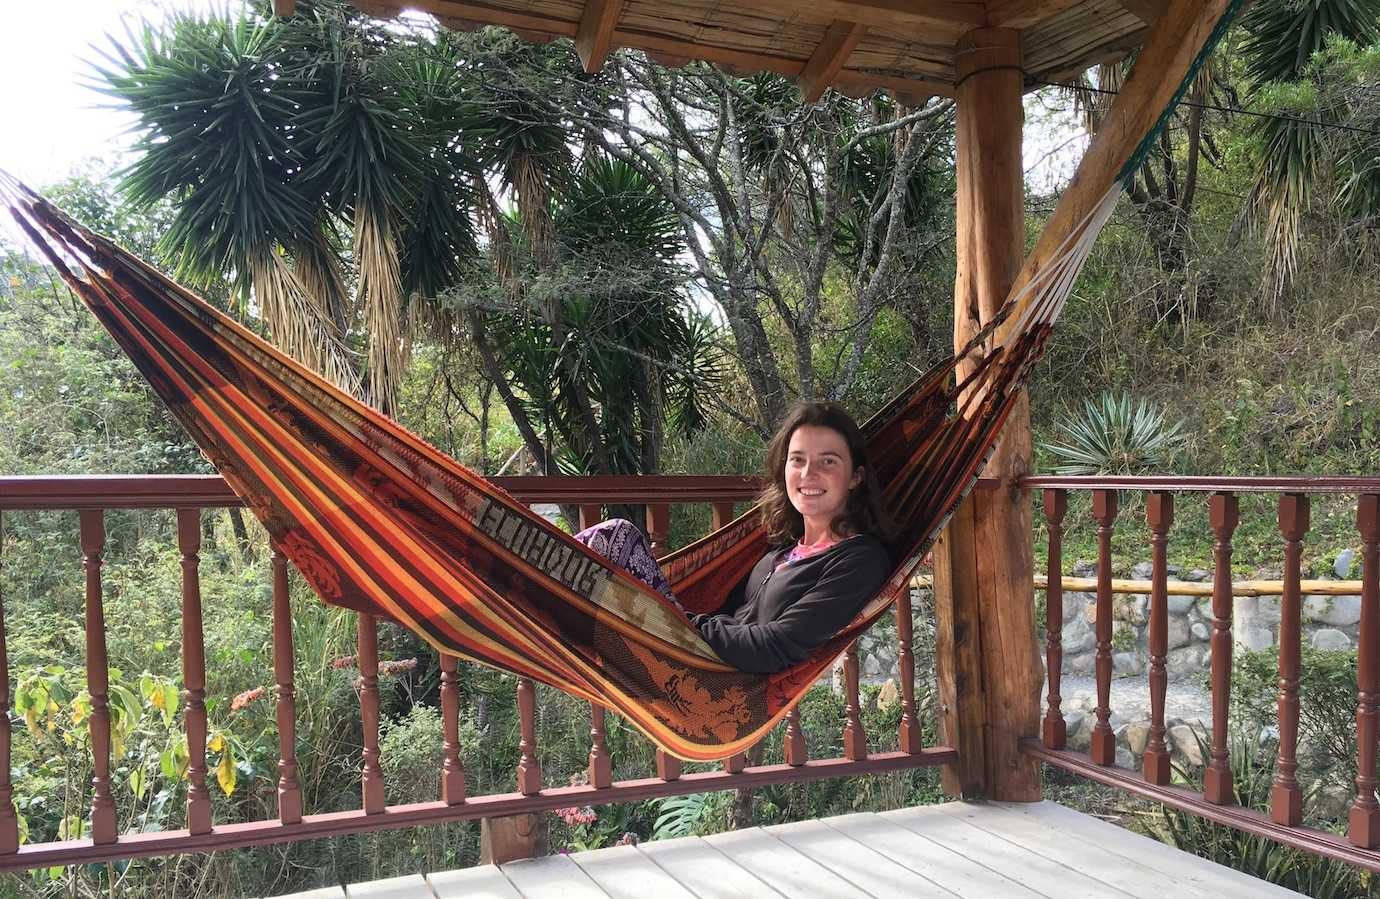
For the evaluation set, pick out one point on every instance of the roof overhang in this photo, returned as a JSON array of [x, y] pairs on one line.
[[906, 47]]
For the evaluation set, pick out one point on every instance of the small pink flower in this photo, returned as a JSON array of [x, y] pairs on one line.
[[343, 662], [245, 698]]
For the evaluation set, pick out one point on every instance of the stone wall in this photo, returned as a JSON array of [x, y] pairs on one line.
[[1329, 622]]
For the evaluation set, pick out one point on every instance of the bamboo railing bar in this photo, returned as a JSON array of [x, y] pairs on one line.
[[1103, 746], [193, 670], [92, 534], [371, 785], [1159, 514], [1193, 588], [266, 832], [9, 820], [600, 762], [529, 768], [854, 738], [908, 729], [1363, 819], [452, 768], [1054, 731], [1223, 516], [285, 706], [1286, 798]]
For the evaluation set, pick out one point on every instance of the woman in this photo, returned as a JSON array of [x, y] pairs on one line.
[[823, 512]]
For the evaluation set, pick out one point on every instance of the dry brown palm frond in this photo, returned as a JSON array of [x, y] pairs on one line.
[[380, 296], [296, 324], [318, 268], [533, 197]]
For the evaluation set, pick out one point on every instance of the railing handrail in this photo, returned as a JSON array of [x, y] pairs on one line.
[[166, 491], [1206, 483]]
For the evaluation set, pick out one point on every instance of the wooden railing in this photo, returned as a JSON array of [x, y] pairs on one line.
[[1216, 802], [187, 496]]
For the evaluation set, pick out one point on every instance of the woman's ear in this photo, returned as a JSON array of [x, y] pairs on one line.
[[857, 477]]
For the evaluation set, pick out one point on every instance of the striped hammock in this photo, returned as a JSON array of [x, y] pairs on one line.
[[379, 521]]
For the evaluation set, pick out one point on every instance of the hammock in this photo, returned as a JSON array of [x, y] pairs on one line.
[[377, 520]]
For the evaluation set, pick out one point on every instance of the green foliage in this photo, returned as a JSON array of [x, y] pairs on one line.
[[1117, 436]]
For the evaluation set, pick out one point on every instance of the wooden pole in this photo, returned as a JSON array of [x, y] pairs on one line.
[[985, 563]]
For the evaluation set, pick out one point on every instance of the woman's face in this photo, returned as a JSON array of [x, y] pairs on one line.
[[819, 473]]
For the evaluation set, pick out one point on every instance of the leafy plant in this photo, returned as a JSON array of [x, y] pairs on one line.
[[1117, 435], [681, 816]]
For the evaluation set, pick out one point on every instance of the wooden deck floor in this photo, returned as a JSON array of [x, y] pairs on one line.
[[981, 850]]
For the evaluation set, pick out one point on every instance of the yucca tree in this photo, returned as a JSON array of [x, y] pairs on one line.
[[215, 136], [1282, 38]]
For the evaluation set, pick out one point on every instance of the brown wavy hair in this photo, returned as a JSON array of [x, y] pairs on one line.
[[864, 512]]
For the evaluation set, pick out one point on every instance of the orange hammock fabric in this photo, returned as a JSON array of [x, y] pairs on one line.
[[379, 521]]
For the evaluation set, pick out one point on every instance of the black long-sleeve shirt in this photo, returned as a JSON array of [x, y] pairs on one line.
[[774, 618]]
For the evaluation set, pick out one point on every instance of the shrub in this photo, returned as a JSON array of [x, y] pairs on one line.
[[1117, 436]]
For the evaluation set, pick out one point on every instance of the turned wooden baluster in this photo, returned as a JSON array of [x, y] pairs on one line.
[[368, 659], [1286, 799], [1223, 516], [908, 731], [722, 515], [289, 790], [668, 767], [528, 769], [9, 821], [1054, 731], [193, 671], [590, 515], [794, 742], [658, 528], [600, 763], [735, 763], [1363, 824], [92, 529], [1103, 748], [1159, 514], [452, 769], [854, 739]]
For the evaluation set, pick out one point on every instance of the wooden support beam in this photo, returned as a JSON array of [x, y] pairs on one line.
[[1168, 52], [892, 15], [987, 555], [827, 61], [1024, 13], [594, 36]]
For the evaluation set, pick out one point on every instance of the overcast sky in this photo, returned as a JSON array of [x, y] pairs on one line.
[[51, 120]]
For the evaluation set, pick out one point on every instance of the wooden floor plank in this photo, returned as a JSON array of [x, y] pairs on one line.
[[480, 882], [552, 877], [1219, 880], [856, 863], [1035, 871], [624, 873], [413, 886], [790, 873], [939, 864], [704, 870], [1089, 857]]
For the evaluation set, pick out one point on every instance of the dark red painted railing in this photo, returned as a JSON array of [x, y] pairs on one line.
[[187, 496], [1217, 801]]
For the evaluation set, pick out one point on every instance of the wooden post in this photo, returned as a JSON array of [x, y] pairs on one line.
[[984, 565]]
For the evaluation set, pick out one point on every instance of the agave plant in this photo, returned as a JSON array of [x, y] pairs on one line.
[[1116, 435]]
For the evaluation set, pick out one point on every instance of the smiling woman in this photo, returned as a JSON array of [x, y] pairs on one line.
[[823, 511]]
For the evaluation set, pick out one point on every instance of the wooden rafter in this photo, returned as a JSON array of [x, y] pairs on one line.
[[894, 15], [594, 37], [1024, 13], [829, 57], [1148, 11]]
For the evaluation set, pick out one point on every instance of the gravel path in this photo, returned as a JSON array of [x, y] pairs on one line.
[[1131, 698]]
